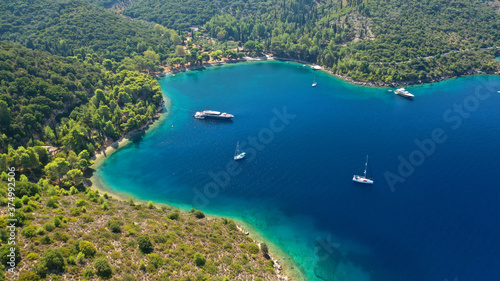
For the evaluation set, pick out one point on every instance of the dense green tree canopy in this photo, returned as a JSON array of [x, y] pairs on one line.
[[368, 40], [67, 27]]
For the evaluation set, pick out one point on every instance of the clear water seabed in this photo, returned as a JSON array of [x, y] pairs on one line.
[[431, 215]]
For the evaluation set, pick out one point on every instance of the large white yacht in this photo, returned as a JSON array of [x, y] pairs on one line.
[[212, 114], [404, 93]]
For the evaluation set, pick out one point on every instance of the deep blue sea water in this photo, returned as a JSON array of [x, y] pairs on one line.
[[437, 220]]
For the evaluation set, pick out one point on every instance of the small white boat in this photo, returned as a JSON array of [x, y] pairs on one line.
[[238, 155], [314, 83], [363, 178]]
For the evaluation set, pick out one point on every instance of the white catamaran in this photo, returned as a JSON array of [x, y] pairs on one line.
[[363, 179], [238, 155]]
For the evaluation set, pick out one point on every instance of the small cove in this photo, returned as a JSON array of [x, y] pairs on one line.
[[296, 189]]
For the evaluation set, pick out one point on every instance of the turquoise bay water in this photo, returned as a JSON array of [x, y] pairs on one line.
[[435, 219]]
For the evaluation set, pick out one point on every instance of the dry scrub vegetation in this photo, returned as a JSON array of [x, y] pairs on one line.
[[87, 236]]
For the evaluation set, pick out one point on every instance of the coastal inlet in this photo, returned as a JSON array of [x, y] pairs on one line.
[[295, 187]]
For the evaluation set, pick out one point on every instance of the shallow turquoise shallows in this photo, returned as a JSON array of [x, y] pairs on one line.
[[432, 213]]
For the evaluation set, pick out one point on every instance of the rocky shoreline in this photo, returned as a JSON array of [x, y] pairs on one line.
[[210, 64], [277, 266], [409, 82], [341, 76]]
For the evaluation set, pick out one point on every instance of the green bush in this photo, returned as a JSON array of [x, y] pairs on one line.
[[33, 256], [82, 202], [75, 212], [28, 276], [72, 260], [40, 231], [25, 199], [231, 225], [19, 216], [102, 267], [155, 260], [61, 236], [173, 215], [49, 226], [151, 205], [28, 209], [252, 248], [17, 203], [46, 240], [264, 248], [52, 203], [114, 227], [199, 214], [40, 269], [73, 190], [29, 231], [145, 244], [87, 248], [57, 221], [53, 260], [199, 260], [26, 188]]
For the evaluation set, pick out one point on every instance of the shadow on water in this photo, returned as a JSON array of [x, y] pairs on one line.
[[363, 187], [217, 121]]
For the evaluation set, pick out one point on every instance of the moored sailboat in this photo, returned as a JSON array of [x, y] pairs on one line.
[[238, 155], [363, 178]]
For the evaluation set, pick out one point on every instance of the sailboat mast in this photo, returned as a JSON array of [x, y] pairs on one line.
[[237, 148], [366, 165]]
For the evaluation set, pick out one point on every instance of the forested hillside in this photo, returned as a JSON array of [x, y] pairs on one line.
[[176, 14], [423, 39], [68, 28], [40, 91], [367, 40]]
